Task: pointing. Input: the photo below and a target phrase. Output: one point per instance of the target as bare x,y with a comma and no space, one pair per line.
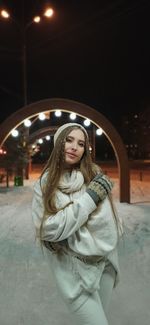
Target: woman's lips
72,155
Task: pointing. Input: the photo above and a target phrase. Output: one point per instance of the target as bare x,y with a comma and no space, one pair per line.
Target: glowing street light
23,28
47,137
42,117
27,123
87,122
58,113
5,14
15,133
3,152
99,131
40,141
49,12
37,19
73,116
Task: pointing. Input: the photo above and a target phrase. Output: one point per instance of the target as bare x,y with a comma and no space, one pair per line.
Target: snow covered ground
27,292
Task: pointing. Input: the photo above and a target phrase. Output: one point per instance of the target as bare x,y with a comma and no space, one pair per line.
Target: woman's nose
74,146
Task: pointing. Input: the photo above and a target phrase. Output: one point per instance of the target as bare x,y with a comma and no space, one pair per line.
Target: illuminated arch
83,110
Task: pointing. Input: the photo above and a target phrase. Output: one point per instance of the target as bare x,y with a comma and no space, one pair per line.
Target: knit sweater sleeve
65,222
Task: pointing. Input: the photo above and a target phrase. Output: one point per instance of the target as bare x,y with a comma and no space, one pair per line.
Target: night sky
95,52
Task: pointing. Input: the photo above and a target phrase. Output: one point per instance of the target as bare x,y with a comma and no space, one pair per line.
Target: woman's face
74,147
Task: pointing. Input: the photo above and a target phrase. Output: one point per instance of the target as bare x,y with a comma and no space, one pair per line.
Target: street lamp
48,13
37,19
5,14
23,27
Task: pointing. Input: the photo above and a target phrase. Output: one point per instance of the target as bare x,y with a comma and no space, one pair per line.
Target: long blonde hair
55,168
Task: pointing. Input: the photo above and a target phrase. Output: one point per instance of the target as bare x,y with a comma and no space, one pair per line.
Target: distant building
135,132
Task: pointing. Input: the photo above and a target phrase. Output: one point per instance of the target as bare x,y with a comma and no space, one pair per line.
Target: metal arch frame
83,110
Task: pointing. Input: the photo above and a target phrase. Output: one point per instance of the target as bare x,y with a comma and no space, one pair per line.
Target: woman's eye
68,140
81,144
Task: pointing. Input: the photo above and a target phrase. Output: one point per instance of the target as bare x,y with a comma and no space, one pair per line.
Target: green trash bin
18,181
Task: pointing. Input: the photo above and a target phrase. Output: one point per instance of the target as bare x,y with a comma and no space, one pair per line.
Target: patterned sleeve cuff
97,192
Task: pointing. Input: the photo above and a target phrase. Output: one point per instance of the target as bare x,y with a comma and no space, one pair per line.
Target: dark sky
96,52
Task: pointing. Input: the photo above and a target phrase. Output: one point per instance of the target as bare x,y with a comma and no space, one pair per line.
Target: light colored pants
93,311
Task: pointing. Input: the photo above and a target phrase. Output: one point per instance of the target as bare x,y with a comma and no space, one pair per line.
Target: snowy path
27,293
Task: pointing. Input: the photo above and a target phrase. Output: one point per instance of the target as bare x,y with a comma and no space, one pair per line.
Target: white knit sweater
89,230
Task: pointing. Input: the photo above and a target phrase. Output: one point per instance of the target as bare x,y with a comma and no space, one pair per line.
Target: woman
75,220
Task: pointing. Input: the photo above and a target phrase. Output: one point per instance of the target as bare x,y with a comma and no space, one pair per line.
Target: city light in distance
90,149
35,148
3,152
